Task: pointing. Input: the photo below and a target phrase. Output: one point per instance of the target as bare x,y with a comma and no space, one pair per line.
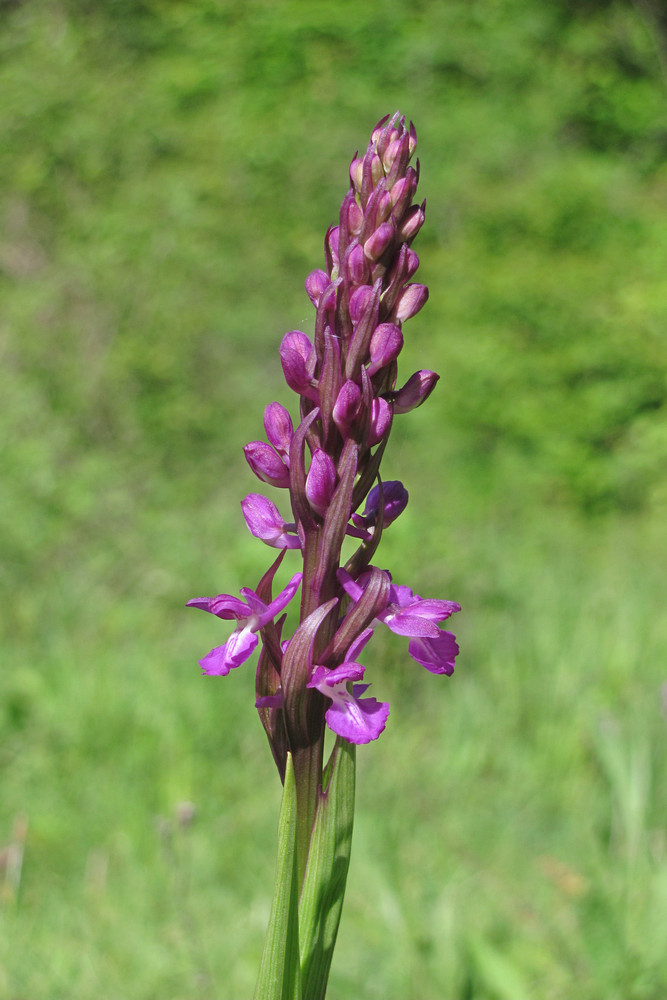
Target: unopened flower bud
377,170
357,265
359,300
265,521
377,242
385,346
391,152
321,481
383,207
410,302
357,172
346,408
394,502
402,192
413,139
412,223
278,427
331,250
381,416
267,464
317,283
297,355
355,217
415,391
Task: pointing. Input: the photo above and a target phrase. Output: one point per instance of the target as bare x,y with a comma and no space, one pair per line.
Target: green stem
308,781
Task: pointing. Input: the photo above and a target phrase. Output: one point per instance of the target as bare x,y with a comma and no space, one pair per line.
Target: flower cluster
345,378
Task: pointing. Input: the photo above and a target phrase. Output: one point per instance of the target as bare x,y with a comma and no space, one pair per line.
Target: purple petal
437,654
240,645
406,623
278,427
350,586
281,601
359,643
264,521
223,606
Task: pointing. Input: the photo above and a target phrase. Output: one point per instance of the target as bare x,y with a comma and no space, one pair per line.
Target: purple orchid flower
252,614
408,614
357,719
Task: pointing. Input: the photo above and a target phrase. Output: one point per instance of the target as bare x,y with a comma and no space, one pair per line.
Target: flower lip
358,720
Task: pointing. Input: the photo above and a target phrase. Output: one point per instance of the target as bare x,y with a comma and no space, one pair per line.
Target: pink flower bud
385,346
359,299
412,263
377,170
278,427
383,208
403,191
410,302
357,265
355,217
377,243
412,222
347,406
357,172
317,283
321,481
267,464
297,355
391,152
331,248
381,416
415,391
413,139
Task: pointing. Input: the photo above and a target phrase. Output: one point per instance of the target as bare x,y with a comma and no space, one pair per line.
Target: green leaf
326,871
280,974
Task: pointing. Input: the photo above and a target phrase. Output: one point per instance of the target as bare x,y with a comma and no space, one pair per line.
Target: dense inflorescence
345,377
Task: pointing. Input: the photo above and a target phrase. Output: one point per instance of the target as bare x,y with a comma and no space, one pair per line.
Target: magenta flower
408,614
251,615
265,522
357,719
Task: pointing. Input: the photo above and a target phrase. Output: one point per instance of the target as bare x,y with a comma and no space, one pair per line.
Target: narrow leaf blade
280,974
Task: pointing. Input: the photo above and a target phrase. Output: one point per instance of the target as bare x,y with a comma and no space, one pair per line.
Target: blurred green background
167,173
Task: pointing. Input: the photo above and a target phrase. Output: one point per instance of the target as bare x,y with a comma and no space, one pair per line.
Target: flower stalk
329,466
